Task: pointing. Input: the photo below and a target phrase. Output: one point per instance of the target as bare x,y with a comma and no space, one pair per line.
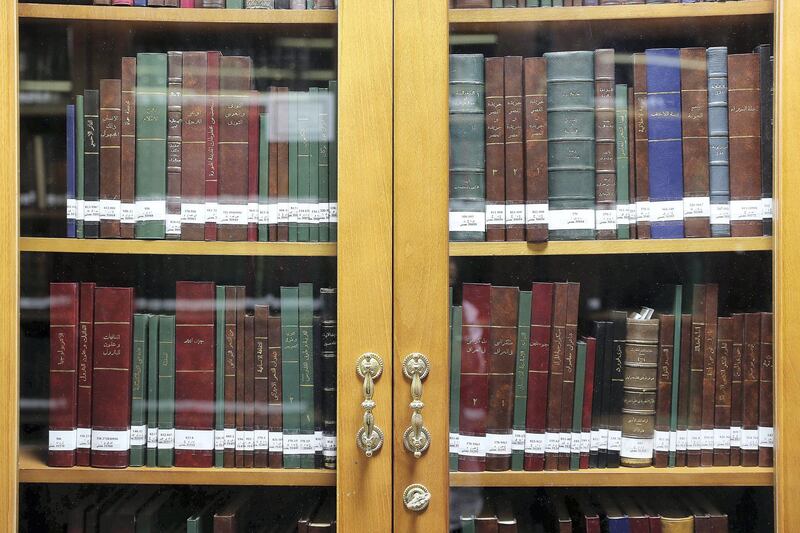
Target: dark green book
313,163
303,167
290,374
323,159
521,380
571,145
139,391
623,162
577,407
219,379
294,200
497,3
467,154
263,179
455,385
531,3
79,168
333,163
306,331
166,390
234,4
151,145
152,390
677,309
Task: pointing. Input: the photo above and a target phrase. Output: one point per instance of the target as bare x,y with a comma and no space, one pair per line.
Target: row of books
224,4
564,3
212,385
182,147
151,510
564,147
680,389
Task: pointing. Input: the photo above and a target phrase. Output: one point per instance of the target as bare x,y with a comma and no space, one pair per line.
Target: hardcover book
63,416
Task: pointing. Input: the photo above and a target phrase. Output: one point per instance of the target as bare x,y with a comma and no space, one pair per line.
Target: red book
538,369
85,343
110,150
474,377
495,151
111,379
588,391
261,387
212,146
252,167
536,188
241,378
568,378
194,373
272,110
187,3
283,163
249,390
128,148
63,374
193,145
765,392
275,393
514,153
556,377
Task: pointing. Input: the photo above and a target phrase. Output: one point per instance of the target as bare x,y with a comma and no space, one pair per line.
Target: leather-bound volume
737,368
694,123
235,84
501,359
63,424
230,377
709,376
695,416
765,61
85,356
474,377
261,387
272,193
194,373
684,373
110,205
193,145
751,374
174,132
568,379
241,378
744,123
765,394
91,163
588,398
495,150
558,347
722,395
212,145
127,180
641,366
515,156
253,125
249,390
718,145
661,440
640,136
535,107
283,163
615,358
538,371
274,363
605,144
329,341
111,379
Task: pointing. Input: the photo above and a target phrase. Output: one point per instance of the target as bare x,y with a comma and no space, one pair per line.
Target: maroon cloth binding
737,360
536,187
249,387
85,343
229,396
515,150
261,382
495,149
556,378
212,144
193,144
568,383
538,368
63,374
252,166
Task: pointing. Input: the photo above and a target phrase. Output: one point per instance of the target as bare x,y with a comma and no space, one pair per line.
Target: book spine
521,381
79,165
455,382
153,366
694,124
241,378
304,213
737,361
273,114
767,98
599,429
253,139
632,163
664,380
695,416
264,168
194,110
555,389
514,150
234,4
166,390
722,395
324,164
230,378
127,186
306,369
174,133
677,307
63,416
605,145
249,391
467,157
624,219
259,4
290,362
328,326
588,400
577,406
640,385
85,353
313,164
111,382
495,150
275,362
212,146
261,387
110,111
333,169
294,204
536,192
640,136
751,374
282,150
91,164
70,157
682,439
719,184
765,394
318,394
709,375
569,383
538,375
616,348
219,377
139,391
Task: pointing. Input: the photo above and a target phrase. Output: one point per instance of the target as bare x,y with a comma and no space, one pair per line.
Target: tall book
153,366
91,164
333,169
709,375
264,177
640,141
63,416
139,360
249,391
324,133
682,440
193,145
695,385
253,141
751,374
514,149
521,380
569,383
80,172
282,198
290,363
467,159
765,61
571,145
536,191
72,206
292,135
212,145
111,382
616,354
85,357
737,361
495,150
766,432
598,444
677,339
577,406
722,393
329,337
694,124
306,369
664,381
455,382
605,145
588,398
623,160
273,114
241,378
166,390
718,153
229,385
639,407
261,387
275,362
127,187
558,350
219,376
110,149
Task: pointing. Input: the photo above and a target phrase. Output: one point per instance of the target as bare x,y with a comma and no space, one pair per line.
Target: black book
318,393
91,164
328,357
765,62
617,383
599,329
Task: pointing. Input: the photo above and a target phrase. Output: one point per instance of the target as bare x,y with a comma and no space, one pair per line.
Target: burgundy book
737,360
751,374
684,381
193,146
212,145
174,133
495,150
536,188
538,371
275,393
252,167
249,389
194,373
501,361
111,379
283,163
261,387
722,395
588,390
474,392
694,126
640,141
558,350
110,106
666,343
272,110
709,376
127,180
64,309
695,417
765,394
241,377
515,150
230,377
85,344
605,144
568,383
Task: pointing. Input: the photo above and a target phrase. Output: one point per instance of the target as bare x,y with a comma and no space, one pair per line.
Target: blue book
718,141
665,148
72,206
140,3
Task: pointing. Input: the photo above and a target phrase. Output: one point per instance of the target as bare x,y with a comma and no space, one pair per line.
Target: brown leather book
536,188
476,298
702,519
235,84
275,393
709,375
261,387
632,161
722,399
640,384
684,388
765,394
605,145
495,150
694,442
556,379
111,379
249,389
694,124
666,345
568,383
212,145
283,163
506,518
127,180
744,127
751,374
241,376
502,359
85,353
193,146
174,133
110,130
230,377
272,111
737,361
253,134
538,374
515,150
64,318
486,520
640,140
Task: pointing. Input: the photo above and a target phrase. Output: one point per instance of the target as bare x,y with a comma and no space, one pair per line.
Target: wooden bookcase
392,253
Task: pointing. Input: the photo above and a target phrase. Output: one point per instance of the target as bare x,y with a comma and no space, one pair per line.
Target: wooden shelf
145,15
634,246
718,476
32,469
113,246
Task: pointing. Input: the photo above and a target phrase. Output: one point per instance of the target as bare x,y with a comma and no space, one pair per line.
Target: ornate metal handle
370,437
416,497
416,437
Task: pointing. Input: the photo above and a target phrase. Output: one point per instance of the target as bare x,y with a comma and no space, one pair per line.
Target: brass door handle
416,437
369,438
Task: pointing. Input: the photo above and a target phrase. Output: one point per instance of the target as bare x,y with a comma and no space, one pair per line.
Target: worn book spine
695,408
110,111
329,337
577,406
219,376
765,394
275,459
640,390
128,149
212,145
306,369
467,156
72,207
605,145
318,393
737,361
536,191
722,393
85,357
719,184
111,382
91,164
261,387
588,399
765,61
558,347
495,150
751,374
474,394
241,378
273,113
283,164
174,131
455,383
616,346
79,165
664,381
166,390
292,410
694,125
151,145
632,163
253,139
324,163
153,366
263,206
139,399
623,158
314,221
684,372
677,307
229,447
63,416
709,375
598,443
249,391
514,149
303,168
194,111
569,382
521,380
640,136
292,134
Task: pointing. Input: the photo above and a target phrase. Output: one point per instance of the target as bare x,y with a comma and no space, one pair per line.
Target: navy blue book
665,148
718,157
140,3
72,206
